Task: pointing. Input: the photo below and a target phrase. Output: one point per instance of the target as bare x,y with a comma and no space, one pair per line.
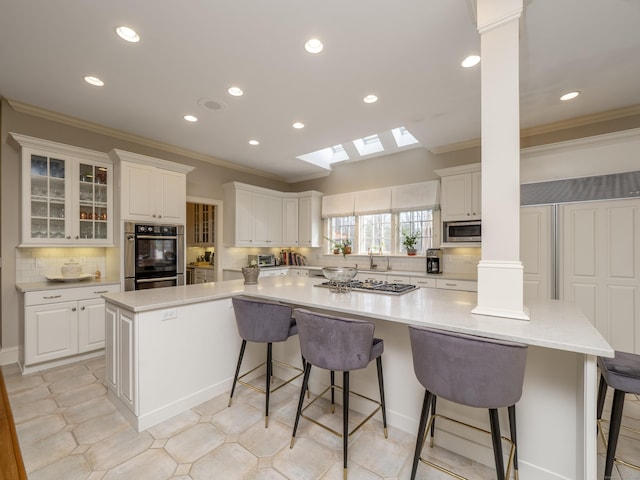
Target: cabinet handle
451,284
101,291
52,296
73,309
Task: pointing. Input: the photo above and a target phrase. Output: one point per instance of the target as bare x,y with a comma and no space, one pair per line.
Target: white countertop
53,285
554,324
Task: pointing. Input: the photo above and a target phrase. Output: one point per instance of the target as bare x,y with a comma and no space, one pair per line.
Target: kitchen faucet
372,265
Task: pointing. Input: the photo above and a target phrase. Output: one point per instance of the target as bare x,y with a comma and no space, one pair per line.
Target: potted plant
409,241
346,247
251,273
337,245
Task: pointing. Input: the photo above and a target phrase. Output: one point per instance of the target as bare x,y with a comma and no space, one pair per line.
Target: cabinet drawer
399,279
424,282
43,297
466,285
371,276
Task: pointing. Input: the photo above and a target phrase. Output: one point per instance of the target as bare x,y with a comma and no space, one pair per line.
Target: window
375,233
341,229
382,233
416,221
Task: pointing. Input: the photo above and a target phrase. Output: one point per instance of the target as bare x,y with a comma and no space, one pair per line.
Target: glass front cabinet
67,194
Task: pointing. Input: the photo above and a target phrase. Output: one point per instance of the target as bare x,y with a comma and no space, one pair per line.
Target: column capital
492,13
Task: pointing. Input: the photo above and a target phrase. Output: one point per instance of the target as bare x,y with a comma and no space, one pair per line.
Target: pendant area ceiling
406,52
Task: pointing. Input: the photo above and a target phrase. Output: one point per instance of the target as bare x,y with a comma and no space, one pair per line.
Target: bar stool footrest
274,362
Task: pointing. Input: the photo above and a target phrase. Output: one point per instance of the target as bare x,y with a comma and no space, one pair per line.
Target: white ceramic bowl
71,269
339,274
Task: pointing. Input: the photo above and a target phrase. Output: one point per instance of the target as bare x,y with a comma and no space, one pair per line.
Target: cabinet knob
68,237
159,216
82,308
77,237
73,309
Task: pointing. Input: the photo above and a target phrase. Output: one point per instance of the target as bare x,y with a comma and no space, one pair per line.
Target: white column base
500,290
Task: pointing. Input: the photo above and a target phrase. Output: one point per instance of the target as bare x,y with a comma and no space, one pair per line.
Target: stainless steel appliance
262,260
153,256
376,286
468,231
434,260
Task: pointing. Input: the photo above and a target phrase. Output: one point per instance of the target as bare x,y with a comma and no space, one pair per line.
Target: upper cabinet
152,190
309,219
200,224
67,194
460,193
259,217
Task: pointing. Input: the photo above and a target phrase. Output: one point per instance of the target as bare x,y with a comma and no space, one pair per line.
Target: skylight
369,146
403,137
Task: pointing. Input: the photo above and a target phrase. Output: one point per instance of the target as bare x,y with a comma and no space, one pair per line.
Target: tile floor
68,429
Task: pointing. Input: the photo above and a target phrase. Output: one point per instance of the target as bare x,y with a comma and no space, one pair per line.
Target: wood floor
11,465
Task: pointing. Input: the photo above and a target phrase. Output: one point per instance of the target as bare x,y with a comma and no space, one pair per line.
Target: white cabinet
298,272
290,212
67,194
120,351
203,275
309,219
259,217
267,220
62,323
460,193
152,194
464,285
272,272
423,282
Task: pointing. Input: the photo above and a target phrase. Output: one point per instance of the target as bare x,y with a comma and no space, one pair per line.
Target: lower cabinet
203,275
62,323
465,285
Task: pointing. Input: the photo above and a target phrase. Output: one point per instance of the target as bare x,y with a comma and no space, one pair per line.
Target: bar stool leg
512,429
333,400
382,402
602,394
235,378
614,431
268,383
345,419
497,444
305,382
421,429
433,422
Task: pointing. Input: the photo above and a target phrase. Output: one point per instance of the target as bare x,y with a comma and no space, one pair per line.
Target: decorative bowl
339,274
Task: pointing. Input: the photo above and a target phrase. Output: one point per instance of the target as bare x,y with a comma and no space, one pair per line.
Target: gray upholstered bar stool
473,371
263,322
622,373
343,344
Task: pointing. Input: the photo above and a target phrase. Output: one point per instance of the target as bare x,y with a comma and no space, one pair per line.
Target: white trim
9,356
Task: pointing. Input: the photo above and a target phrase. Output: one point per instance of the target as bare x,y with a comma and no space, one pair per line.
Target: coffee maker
434,260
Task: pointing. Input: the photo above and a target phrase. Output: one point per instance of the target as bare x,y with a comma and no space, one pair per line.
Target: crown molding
582,121
32,110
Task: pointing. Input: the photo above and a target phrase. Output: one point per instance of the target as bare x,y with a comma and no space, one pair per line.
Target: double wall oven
153,256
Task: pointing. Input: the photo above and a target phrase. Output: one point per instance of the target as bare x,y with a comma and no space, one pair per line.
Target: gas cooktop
376,286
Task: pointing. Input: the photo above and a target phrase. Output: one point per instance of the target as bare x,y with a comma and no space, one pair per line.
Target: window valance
413,196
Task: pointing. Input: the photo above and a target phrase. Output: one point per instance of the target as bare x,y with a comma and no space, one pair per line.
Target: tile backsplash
35,264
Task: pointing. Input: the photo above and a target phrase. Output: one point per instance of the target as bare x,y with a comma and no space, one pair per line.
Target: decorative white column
500,271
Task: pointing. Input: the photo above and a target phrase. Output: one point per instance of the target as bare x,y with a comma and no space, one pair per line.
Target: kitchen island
170,349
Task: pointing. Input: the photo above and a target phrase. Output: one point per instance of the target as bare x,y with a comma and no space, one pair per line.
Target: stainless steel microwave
458,232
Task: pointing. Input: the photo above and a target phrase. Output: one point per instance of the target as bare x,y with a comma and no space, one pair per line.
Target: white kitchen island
172,348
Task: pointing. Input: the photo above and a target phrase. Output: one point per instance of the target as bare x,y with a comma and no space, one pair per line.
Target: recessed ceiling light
371,98
235,91
470,61
254,142
313,46
569,96
190,118
128,34
95,81
298,125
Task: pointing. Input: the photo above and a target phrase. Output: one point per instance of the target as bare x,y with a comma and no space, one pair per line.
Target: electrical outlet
169,314
39,262
468,259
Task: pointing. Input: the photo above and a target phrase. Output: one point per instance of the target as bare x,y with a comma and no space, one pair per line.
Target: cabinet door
138,192
476,196
309,221
51,331
91,325
601,267
111,353
244,218
93,218
171,196
290,222
126,361
275,223
456,197
535,252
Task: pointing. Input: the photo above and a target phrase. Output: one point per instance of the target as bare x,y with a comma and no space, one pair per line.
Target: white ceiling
407,52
